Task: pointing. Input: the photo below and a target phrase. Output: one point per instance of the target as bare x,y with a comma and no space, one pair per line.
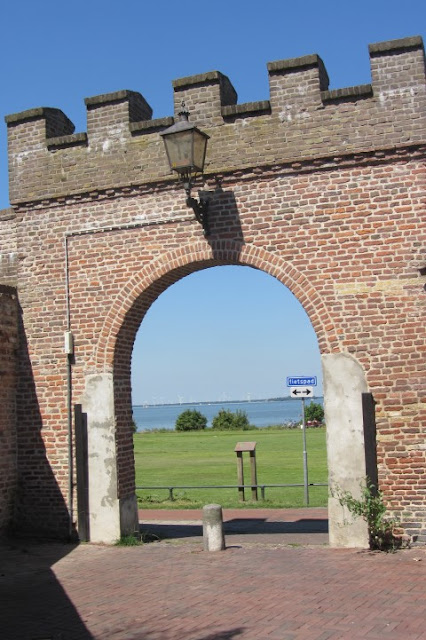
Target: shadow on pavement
34,606
224,635
257,525
244,526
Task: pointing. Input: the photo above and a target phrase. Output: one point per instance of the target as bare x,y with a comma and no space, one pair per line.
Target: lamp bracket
200,208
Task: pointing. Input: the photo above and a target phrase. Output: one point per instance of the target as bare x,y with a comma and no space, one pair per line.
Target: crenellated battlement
302,119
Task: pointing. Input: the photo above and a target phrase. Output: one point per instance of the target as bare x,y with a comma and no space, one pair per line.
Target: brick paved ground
280,526
172,590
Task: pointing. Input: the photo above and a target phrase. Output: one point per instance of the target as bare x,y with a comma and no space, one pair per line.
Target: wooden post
239,449
240,474
253,475
82,473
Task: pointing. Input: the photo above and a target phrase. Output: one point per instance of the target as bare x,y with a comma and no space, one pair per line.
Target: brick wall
325,190
8,349
8,248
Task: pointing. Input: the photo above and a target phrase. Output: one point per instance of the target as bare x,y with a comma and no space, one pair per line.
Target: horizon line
197,402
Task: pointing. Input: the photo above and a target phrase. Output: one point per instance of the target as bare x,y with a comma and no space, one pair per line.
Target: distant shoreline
220,402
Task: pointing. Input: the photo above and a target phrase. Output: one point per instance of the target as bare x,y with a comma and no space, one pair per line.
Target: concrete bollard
213,538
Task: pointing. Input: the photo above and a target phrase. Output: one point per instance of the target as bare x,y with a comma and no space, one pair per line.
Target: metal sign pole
305,456
296,382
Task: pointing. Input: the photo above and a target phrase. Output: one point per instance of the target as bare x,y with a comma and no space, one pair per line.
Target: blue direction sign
302,381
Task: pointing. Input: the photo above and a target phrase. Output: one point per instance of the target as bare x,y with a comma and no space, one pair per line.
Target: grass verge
208,458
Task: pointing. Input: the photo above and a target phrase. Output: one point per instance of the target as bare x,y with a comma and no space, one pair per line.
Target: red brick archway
126,312
322,189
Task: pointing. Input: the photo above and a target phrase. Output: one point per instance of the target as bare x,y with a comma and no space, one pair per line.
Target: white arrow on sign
301,392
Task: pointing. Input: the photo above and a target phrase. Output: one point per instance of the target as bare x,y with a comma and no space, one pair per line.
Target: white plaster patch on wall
303,115
401,92
99,397
9,257
119,133
354,288
285,115
23,155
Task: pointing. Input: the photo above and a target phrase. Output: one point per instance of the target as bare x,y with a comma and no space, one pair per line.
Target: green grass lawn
208,458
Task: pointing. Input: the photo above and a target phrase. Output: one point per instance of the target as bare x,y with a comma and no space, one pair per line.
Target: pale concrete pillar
108,518
344,384
213,537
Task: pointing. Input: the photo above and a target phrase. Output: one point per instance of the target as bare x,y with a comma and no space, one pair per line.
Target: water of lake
260,413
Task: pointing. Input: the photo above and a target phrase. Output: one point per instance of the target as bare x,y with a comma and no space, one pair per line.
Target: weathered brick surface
8,352
8,248
324,190
301,120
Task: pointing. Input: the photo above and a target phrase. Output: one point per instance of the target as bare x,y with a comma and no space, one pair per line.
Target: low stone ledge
7,214
359,91
73,140
248,108
149,126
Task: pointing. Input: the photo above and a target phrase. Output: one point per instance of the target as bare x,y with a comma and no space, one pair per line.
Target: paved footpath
173,590
279,526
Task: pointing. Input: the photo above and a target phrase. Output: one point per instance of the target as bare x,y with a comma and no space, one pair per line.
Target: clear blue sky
193,342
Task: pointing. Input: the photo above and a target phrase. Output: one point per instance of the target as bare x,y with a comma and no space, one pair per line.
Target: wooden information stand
239,449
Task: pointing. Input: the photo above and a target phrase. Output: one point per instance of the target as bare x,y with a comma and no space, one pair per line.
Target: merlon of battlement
204,95
138,108
297,64
57,123
228,95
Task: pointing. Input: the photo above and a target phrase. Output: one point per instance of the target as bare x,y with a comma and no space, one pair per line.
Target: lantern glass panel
179,149
199,150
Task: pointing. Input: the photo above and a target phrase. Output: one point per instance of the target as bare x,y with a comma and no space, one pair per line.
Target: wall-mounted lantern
186,152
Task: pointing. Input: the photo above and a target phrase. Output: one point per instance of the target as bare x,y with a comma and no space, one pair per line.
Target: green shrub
131,540
190,420
314,413
371,507
227,420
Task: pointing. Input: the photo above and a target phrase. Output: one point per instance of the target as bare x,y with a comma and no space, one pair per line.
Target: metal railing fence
171,488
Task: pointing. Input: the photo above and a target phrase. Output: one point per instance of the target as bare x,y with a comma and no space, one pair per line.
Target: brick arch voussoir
202,255
301,288
135,287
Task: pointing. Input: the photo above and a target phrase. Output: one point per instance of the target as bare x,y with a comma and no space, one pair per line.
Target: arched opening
225,339
113,388
223,333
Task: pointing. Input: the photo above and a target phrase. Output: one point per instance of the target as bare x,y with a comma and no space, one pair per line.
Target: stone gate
323,189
